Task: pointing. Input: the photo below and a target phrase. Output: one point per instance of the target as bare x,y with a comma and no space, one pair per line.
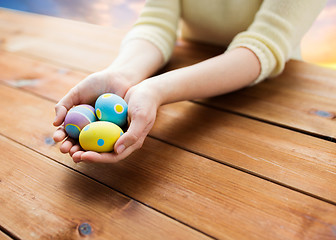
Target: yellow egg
99,136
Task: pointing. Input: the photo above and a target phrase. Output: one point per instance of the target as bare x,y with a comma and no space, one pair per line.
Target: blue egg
112,108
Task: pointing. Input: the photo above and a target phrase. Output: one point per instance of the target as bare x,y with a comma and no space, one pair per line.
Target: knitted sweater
272,29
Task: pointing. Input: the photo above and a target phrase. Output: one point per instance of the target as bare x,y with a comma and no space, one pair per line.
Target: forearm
137,60
219,75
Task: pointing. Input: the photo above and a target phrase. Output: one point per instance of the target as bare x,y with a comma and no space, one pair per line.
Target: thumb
62,107
134,136
60,112
125,141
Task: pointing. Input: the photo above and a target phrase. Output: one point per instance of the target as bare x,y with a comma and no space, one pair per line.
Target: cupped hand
86,92
143,103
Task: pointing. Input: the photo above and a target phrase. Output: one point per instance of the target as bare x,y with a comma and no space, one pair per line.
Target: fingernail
120,149
77,161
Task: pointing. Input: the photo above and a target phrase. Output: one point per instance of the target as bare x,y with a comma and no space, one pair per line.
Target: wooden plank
58,40
41,199
290,158
3,236
216,199
38,77
301,98
281,155
90,49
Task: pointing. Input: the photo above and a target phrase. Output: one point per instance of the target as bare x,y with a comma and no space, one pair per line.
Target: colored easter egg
77,118
99,136
110,107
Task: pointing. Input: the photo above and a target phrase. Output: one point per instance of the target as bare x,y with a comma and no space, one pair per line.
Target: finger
77,156
67,145
63,106
94,157
128,151
75,148
131,137
60,112
59,134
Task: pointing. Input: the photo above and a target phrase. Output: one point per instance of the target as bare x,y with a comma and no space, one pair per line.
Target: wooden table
256,164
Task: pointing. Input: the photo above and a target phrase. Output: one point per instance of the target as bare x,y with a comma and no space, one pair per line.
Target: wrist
123,73
153,89
138,60
115,81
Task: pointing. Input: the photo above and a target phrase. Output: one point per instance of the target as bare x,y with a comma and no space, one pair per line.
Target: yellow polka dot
118,108
98,112
107,95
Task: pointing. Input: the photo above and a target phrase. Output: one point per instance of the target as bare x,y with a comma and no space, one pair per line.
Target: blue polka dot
100,142
121,133
86,128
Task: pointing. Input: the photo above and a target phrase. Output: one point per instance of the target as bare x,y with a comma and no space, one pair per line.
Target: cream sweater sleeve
276,31
157,23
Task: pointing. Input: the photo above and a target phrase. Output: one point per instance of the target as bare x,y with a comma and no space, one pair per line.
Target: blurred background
318,46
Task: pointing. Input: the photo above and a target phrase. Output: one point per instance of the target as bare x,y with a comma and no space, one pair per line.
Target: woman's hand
143,103
215,76
136,61
86,92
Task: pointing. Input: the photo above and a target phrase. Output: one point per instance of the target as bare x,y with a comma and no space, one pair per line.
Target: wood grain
58,40
46,80
283,156
225,194
3,236
41,199
293,100
216,199
290,100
